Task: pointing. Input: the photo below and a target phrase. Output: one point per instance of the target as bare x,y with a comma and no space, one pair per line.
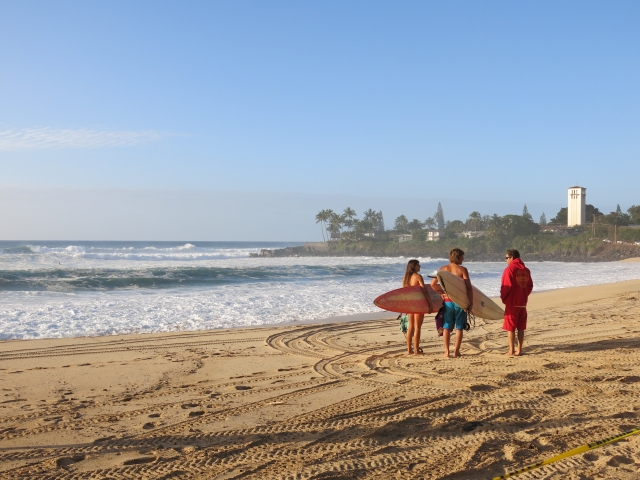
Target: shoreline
601,253
356,317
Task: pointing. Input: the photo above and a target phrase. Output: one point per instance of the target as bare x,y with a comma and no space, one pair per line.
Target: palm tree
348,214
474,222
321,218
370,215
430,223
415,225
335,223
379,222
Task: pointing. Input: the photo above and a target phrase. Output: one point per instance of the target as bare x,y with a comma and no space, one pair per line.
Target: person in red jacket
514,292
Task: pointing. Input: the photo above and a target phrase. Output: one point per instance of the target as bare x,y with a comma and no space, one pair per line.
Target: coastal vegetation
480,235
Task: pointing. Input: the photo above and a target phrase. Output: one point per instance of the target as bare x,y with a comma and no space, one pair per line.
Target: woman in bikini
411,279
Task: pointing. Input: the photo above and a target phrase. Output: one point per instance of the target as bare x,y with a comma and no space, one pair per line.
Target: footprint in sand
556,392
141,460
64,462
619,460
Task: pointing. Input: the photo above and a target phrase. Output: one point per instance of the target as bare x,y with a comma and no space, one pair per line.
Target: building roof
577,186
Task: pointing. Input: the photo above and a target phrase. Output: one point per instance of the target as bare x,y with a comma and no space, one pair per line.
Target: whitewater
70,289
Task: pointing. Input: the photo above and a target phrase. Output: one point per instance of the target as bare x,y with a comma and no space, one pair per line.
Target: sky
241,120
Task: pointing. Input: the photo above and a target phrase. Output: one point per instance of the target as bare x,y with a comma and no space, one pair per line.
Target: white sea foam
242,291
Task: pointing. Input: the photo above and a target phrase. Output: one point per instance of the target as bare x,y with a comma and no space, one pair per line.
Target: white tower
576,206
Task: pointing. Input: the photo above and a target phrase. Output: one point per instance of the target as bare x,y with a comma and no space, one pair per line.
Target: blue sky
388,105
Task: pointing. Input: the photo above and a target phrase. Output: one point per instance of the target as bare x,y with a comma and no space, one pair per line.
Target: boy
454,316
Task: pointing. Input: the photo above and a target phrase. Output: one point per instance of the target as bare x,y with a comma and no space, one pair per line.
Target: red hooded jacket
516,284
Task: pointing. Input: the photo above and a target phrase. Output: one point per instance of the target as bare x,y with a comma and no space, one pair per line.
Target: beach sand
331,400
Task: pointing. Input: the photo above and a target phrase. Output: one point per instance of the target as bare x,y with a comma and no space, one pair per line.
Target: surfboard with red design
409,300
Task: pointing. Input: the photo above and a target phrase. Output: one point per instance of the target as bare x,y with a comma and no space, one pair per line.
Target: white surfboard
483,306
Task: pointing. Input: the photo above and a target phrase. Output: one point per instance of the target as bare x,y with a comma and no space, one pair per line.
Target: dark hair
411,269
513,253
455,254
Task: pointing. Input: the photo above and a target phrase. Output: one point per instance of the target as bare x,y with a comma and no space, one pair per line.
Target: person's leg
459,333
510,324
448,323
416,336
520,342
410,330
461,319
511,336
446,336
522,325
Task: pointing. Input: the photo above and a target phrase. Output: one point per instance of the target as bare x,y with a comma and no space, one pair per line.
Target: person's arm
529,284
467,283
505,287
436,286
426,292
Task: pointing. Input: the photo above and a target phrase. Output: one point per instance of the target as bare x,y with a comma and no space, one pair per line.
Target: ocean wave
105,252
62,279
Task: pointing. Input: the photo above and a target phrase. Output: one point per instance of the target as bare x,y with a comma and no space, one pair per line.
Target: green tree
440,217
526,214
455,226
322,218
369,215
618,218
402,224
415,225
349,214
561,218
335,224
543,219
364,227
430,223
634,213
590,211
379,222
474,222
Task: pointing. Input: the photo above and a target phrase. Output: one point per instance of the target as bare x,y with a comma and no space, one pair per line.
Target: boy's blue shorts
453,316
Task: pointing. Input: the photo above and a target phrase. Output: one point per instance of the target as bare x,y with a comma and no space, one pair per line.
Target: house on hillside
433,235
405,237
471,234
560,230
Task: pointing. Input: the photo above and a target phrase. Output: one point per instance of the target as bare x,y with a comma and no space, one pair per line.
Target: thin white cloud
45,138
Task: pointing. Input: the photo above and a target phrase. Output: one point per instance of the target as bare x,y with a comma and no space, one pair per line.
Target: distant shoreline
604,253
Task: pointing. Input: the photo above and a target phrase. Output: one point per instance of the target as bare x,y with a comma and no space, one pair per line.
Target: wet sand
331,400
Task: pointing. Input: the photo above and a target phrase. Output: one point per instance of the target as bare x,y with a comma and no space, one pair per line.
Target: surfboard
408,300
483,306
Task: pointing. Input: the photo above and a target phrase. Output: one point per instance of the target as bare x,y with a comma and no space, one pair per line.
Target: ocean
70,289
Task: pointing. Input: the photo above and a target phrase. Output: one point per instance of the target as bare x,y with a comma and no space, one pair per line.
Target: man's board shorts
515,318
453,316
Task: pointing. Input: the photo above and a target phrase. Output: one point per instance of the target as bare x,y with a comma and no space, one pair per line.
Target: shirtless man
454,316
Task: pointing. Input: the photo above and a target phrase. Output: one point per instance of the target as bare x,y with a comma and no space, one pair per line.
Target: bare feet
409,352
445,354
517,353
457,355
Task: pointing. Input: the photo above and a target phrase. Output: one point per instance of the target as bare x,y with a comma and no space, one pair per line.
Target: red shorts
515,318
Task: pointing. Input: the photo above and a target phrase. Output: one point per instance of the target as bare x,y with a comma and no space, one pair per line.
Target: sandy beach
331,400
